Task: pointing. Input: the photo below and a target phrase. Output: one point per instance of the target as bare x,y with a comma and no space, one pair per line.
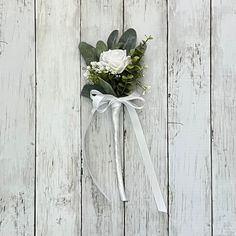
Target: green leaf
88,52
118,46
124,77
101,47
130,76
132,51
106,87
111,41
135,59
88,87
128,40
130,66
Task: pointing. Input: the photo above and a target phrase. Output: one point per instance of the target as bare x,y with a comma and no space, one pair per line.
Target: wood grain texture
17,148
186,95
223,117
141,214
58,118
100,217
189,118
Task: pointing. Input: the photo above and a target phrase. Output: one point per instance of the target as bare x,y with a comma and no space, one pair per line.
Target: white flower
115,59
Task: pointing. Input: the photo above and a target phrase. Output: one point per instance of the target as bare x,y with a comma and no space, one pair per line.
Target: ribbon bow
101,102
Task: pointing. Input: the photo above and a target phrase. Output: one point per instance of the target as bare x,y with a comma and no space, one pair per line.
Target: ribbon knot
101,102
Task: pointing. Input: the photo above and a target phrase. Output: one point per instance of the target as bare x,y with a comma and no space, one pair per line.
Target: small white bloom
93,63
115,59
147,89
86,74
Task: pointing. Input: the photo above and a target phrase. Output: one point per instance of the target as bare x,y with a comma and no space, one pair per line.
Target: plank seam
211,125
167,114
35,115
124,131
81,135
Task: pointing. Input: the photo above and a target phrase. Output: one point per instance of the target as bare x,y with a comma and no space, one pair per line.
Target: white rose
115,59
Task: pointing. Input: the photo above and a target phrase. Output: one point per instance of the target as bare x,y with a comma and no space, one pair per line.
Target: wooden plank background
17,117
189,120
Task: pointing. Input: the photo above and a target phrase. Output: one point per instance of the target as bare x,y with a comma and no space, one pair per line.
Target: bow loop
101,102
133,100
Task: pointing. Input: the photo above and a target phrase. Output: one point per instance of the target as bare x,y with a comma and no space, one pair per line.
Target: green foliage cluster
116,84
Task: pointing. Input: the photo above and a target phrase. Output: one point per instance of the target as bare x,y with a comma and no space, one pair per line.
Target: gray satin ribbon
101,102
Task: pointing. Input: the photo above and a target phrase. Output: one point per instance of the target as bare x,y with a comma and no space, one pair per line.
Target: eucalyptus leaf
88,52
128,40
88,87
106,87
118,45
101,47
111,41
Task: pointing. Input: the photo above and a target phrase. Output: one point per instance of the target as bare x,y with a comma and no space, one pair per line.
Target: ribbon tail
85,158
147,160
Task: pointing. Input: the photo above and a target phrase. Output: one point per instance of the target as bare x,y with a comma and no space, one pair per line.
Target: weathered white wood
189,118
141,214
99,217
17,136
58,200
224,117
58,118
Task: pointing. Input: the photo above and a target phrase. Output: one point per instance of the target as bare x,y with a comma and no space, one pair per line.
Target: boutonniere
114,73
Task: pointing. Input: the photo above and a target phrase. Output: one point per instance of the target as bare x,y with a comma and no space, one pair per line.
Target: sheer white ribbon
101,102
